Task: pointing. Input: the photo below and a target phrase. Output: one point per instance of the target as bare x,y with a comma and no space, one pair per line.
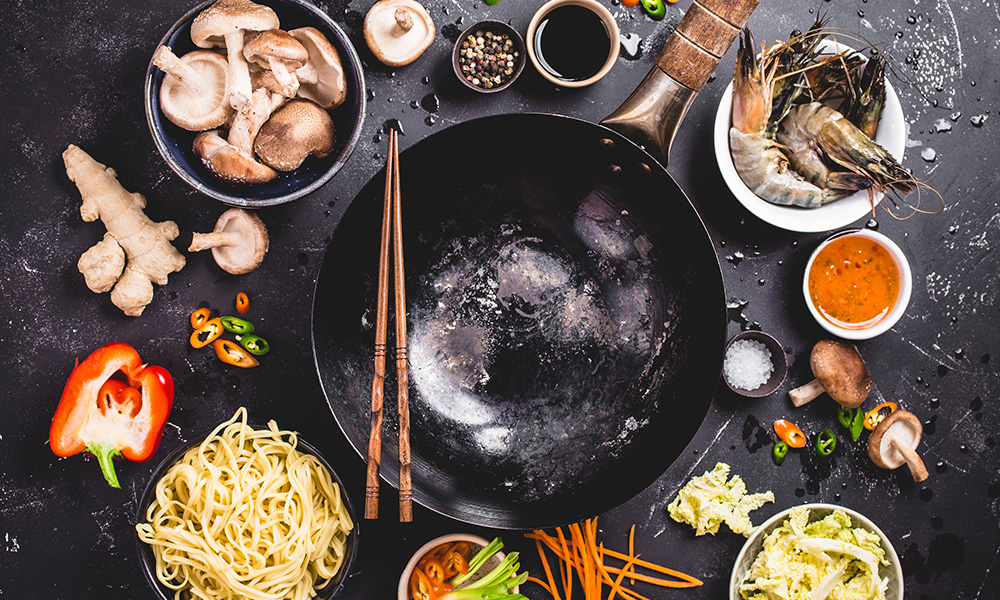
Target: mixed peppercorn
488,59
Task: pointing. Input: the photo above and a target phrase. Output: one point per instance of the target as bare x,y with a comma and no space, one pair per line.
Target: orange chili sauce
854,282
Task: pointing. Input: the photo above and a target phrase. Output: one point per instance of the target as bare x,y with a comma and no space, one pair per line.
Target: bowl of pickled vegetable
460,566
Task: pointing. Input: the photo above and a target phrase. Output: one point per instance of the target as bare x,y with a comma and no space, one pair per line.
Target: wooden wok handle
702,37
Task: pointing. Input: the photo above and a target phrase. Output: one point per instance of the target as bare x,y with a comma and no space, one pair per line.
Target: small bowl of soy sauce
573,43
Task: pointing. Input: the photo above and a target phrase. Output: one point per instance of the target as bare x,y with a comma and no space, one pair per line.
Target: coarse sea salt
747,365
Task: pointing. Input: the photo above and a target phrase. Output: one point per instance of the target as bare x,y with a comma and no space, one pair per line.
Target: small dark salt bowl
778,360
175,143
496,27
148,561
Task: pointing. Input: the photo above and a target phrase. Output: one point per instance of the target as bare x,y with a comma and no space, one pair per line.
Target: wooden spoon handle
702,37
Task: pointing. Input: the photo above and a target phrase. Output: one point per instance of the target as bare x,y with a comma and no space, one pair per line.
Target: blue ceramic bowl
175,143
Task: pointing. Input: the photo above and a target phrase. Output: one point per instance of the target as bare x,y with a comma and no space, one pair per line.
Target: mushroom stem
806,393
913,460
248,121
173,66
307,73
238,83
204,241
404,22
288,82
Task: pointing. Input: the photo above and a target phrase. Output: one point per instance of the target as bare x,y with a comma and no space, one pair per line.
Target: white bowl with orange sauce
857,284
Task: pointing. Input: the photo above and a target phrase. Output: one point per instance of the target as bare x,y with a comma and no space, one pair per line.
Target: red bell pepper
110,417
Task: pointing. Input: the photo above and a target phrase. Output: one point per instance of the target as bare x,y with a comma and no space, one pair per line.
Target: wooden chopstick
378,379
391,219
402,364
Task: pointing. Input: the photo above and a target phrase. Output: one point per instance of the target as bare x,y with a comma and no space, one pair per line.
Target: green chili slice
779,452
656,8
853,419
826,442
254,344
237,325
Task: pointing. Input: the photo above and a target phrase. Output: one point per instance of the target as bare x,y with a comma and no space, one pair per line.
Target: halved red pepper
108,417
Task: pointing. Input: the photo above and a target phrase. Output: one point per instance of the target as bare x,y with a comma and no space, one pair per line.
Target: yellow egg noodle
247,515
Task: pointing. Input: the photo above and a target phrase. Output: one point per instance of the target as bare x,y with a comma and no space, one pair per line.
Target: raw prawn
760,162
791,149
820,139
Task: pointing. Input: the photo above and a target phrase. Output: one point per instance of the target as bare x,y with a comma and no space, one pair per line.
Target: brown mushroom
238,243
398,31
233,160
298,129
895,441
193,93
280,53
322,78
223,25
839,371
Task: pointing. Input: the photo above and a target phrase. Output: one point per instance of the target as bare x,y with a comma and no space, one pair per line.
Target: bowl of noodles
246,512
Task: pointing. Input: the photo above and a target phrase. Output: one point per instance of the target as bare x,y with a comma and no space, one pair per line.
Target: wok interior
565,319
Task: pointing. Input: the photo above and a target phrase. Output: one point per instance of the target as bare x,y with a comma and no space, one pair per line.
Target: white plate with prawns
781,183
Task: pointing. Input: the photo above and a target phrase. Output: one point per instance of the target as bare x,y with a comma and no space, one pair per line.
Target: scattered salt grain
747,365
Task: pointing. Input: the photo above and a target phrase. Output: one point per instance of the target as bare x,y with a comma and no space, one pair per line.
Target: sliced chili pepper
242,303
107,417
237,325
875,416
207,333
463,548
232,354
254,344
656,8
434,571
853,419
789,433
200,317
629,3
455,563
421,587
826,442
779,452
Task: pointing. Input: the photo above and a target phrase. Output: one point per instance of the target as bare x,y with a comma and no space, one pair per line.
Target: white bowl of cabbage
814,552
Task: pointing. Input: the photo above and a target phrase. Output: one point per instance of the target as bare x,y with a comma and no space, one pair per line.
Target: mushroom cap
209,28
905,428
275,43
198,112
330,88
387,42
252,242
227,162
841,371
296,130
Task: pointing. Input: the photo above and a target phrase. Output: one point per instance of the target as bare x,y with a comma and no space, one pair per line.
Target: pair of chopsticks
391,219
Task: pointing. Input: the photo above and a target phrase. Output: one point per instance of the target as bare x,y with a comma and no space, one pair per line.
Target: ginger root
133,241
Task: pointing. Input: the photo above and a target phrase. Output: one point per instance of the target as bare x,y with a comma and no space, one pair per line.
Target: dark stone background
72,73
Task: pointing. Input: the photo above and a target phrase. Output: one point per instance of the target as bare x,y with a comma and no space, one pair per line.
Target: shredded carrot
631,550
581,554
548,571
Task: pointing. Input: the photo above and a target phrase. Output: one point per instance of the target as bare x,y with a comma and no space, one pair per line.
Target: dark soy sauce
572,43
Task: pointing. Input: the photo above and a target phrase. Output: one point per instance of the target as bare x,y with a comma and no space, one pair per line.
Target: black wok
566,319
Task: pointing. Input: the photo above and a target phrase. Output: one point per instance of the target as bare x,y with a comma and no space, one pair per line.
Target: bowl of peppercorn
488,56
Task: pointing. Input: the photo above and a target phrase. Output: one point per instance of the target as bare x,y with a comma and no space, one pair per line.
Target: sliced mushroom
895,441
193,94
279,52
239,241
223,25
398,31
322,78
233,160
298,129
839,371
